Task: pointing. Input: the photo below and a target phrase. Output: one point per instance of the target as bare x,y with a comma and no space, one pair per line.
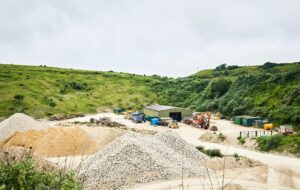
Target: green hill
270,90
43,91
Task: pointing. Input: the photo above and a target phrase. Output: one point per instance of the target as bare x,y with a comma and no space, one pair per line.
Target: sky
166,37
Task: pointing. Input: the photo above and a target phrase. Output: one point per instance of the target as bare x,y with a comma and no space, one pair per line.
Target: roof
159,107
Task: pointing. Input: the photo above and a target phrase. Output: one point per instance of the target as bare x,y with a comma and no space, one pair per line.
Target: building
162,111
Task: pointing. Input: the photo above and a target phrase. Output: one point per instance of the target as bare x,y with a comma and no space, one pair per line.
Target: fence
256,133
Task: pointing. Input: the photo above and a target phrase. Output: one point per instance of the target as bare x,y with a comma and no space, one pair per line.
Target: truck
137,117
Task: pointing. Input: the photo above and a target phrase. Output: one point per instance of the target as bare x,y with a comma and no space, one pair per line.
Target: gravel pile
137,158
17,123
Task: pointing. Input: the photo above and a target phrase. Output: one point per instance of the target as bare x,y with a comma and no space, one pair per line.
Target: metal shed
162,111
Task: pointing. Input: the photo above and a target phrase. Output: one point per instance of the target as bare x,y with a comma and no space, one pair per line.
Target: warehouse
163,111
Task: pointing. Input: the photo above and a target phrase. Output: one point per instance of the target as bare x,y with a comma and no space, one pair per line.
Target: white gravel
17,123
136,158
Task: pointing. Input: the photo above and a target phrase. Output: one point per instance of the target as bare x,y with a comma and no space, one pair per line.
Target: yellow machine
127,115
173,125
268,126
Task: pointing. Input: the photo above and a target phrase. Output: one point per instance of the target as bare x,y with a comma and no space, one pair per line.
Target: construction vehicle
165,121
127,115
202,120
173,125
137,117
268,126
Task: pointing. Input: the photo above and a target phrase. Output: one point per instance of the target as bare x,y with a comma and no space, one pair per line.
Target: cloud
149,37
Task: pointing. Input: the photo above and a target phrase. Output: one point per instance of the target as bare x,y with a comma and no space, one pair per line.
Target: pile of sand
17,123
63,141
231,162
212,137
56,141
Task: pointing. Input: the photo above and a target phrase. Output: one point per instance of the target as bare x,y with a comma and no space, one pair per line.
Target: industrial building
162,111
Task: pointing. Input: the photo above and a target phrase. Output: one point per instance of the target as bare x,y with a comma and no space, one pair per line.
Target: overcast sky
165,37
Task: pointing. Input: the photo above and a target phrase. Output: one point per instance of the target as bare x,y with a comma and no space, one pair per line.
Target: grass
210,152
44,91
280,143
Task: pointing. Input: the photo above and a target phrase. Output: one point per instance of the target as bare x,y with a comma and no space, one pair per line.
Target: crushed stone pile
54,141
137,158
17,123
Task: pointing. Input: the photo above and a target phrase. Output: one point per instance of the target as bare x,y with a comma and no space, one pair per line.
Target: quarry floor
282,172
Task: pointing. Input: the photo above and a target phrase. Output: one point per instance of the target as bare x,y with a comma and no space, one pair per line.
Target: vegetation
222,137
210,152
271,91
45,91
242,140
23,174
280,143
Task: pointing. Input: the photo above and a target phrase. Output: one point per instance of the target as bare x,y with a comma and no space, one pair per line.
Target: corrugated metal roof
159,107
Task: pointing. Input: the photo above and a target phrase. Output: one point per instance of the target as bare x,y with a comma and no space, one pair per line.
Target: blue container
154,121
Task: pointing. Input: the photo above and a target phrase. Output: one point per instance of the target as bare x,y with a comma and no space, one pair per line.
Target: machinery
268,126
173,125
127,115
137,117
202,120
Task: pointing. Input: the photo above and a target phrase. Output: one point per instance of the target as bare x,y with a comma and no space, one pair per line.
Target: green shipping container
248,122
238,120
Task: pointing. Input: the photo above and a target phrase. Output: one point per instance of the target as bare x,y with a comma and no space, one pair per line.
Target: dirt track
282,172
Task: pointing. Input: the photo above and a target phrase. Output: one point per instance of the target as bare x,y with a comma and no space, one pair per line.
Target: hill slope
271,90
43,91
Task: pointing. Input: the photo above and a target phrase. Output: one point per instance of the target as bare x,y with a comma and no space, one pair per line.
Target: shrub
241,140
214,153
19,97
210,152
221,137
24,174
269,143
237,157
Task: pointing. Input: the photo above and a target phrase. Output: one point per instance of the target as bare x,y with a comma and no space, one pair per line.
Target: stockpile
17,123
55,141
137,158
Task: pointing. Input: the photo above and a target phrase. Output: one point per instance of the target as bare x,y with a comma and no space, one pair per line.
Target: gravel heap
17,123
137,158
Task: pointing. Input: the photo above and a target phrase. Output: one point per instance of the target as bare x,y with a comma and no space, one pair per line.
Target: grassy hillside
270,90
44,91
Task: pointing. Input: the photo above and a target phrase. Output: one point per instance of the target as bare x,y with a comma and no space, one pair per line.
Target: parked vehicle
137,117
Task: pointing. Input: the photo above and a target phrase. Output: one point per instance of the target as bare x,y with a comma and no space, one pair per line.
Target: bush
19,97
214,153
241,140
24,175
210,152
269,143
221,137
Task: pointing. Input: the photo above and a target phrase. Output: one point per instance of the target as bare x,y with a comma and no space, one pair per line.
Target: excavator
202,120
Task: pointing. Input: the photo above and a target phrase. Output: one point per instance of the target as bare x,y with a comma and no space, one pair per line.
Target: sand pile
137,158
231,162
56,141
17,123
212,137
